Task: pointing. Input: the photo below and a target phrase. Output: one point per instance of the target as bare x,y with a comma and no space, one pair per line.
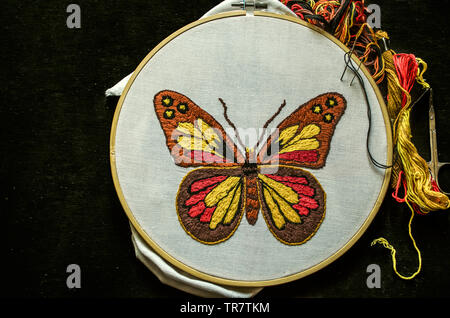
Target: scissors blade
433,164
432,115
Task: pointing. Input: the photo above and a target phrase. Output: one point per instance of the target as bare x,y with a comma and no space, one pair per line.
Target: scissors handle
436,174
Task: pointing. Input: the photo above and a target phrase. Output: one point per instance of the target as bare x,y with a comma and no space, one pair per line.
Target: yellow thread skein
417,174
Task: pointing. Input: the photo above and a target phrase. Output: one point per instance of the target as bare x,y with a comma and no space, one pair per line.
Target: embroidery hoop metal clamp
250,6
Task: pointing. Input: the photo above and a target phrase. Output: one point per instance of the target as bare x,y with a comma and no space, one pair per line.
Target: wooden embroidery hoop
220,280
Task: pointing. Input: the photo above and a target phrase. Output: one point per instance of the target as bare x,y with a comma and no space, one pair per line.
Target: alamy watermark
73,21
374,279
374,18
193,143
74,278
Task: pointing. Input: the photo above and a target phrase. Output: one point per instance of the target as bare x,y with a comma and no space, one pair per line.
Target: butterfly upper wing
303,138
193,136
210,203
292,203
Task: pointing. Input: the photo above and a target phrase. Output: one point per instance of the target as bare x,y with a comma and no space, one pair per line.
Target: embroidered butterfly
228,183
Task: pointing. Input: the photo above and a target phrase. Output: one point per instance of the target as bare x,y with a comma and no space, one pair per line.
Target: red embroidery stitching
309,156
202,184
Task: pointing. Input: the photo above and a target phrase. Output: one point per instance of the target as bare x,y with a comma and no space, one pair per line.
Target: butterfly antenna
225,110
271,119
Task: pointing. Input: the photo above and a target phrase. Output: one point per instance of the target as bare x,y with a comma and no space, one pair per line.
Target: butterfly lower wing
193,136
303,138
292,203
210,203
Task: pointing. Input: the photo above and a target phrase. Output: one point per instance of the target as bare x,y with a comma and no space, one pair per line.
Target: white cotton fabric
253,63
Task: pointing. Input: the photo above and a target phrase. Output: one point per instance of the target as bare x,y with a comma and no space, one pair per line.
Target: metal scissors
434,163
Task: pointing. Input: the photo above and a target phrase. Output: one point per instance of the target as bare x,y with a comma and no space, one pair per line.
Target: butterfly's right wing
303,138
210,203
292,203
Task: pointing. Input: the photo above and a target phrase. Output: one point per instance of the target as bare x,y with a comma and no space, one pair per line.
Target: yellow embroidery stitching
285,208
200,138
302,144
207,132
284,191
309,132
222,207
287,134
276,215
221,191
232,209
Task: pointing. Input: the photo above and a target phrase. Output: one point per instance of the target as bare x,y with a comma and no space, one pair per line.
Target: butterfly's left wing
211,202
303,138
292,203
193,137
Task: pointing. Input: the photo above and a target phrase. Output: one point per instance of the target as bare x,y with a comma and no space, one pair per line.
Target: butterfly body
227,184
252,198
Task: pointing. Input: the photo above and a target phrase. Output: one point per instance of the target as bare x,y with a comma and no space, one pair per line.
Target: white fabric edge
117,89
181,280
